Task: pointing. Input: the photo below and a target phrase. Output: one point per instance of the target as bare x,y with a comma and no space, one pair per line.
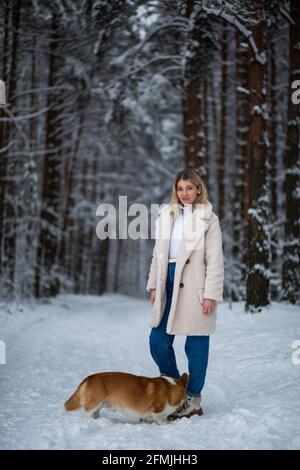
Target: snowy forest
113,97
108,99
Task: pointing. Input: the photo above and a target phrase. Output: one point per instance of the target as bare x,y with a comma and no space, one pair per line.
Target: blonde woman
186,283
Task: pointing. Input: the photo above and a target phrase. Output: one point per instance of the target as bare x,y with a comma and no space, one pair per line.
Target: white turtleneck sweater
177,231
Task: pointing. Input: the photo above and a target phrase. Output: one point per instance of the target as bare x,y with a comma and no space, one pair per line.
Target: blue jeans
196,347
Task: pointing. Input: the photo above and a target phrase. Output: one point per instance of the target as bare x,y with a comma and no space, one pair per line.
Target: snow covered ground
251,397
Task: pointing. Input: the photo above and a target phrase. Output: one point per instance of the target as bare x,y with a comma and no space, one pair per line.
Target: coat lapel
163,230
193,234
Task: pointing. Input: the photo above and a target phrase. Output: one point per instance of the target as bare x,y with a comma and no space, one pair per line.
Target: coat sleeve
214,264
151,284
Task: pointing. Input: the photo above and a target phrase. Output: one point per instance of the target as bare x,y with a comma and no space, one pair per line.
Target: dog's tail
74,401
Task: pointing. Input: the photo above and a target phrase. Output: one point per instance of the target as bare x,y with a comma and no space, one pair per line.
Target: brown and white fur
147,398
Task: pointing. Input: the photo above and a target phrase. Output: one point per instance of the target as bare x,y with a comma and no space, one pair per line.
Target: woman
186,282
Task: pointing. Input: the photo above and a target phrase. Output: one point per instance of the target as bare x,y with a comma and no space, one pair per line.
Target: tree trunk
193,112
290,268
46,280
274,187
222,157
257,286
239,209
3,131
8,191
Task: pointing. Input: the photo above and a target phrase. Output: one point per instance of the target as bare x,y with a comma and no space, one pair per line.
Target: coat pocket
201,295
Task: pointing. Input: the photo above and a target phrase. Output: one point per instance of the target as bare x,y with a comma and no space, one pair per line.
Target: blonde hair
195,178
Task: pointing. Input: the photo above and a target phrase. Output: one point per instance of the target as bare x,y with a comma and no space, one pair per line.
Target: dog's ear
184,379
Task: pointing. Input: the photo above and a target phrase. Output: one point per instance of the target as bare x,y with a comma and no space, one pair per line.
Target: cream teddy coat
199,272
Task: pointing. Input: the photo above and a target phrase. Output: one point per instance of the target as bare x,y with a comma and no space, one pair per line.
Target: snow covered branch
260,57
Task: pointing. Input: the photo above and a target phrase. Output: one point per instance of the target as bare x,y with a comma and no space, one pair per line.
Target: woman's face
186,191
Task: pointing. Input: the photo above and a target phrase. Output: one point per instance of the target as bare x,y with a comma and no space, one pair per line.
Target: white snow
251,399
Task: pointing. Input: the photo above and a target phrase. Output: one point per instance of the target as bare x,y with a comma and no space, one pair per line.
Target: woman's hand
208,306
152,296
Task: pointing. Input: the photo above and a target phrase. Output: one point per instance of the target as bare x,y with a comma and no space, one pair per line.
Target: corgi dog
147,398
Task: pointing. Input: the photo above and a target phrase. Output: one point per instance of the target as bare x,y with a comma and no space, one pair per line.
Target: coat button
181,284
187,261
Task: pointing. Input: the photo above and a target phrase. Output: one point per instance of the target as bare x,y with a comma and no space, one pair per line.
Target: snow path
251,399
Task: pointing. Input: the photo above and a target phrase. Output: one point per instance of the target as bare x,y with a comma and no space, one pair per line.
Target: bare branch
260,57
285,13
13,118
